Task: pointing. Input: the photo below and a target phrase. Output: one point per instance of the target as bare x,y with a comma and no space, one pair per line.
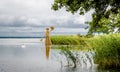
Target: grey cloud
33,16
23,22
69,23
15,22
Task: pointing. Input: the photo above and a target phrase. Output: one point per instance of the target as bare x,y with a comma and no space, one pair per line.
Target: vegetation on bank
106,47
105,19
107,50
77,40
70,39
64,40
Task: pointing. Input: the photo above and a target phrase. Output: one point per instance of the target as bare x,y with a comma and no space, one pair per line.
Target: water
30,55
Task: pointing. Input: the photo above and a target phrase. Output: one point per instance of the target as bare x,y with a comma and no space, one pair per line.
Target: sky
31,17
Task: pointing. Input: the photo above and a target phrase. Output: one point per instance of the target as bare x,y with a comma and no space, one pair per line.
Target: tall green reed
64,40
107,50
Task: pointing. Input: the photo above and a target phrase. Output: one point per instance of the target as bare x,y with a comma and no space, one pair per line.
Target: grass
106,47
107,50
69,40
64,40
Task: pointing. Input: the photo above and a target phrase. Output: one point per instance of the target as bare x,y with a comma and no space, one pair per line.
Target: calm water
29,55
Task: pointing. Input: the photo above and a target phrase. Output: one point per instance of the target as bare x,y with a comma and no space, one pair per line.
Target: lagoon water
29,55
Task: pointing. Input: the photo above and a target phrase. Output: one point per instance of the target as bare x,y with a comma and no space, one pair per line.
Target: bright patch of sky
31,17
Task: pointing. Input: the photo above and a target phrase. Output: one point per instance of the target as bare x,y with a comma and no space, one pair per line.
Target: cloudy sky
31,17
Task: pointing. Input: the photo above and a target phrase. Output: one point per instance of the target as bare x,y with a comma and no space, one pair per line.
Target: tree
109,25
103,9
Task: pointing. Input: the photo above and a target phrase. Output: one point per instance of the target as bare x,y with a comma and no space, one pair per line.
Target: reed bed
106,48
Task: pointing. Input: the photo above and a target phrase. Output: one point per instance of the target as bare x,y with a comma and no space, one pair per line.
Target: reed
64,40
107,50
69,56
68,40
79,43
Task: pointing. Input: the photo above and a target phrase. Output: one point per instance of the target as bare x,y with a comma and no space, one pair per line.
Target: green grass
106,47
69,40
64,40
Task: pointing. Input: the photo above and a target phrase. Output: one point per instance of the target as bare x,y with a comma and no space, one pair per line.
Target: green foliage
109,25
102,10
107,50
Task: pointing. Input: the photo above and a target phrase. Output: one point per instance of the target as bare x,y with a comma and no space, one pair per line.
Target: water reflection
74,58
48,47
14,58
